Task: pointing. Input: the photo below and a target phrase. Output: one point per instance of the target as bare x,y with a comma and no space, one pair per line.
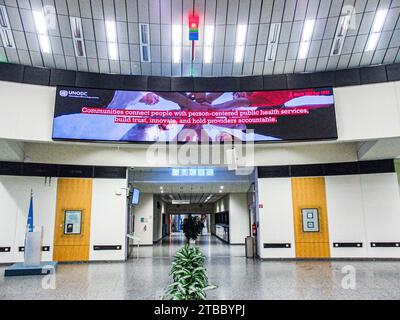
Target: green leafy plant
192,227
189,275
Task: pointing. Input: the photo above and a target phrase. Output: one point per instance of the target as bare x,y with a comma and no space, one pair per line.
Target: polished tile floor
236,277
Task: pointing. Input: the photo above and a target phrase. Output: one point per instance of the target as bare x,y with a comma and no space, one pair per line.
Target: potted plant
192,227
189,276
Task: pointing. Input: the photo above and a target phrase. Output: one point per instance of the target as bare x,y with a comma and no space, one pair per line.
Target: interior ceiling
224,15
193,197
193,188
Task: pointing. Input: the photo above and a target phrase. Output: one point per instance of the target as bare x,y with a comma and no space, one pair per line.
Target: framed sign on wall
73,222
310,219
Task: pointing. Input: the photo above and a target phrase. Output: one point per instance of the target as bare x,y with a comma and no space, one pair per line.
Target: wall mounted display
73,222
135,196
84,114
310,220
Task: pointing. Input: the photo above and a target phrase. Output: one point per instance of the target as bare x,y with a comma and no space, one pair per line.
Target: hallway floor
236,277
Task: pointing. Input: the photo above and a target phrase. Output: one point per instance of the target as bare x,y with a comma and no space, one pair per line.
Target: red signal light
193,28
193,22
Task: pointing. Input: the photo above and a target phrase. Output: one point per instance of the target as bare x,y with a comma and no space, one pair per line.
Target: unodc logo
63,93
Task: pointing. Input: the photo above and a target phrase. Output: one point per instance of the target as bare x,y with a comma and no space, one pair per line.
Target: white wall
275,217
357,115
361,208
364,208
345,215
382,212
26,111
35,104
357,119
14,205
144,230
129,155
239,227
108,218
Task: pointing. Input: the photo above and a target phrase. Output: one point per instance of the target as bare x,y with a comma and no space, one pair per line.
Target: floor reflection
236,277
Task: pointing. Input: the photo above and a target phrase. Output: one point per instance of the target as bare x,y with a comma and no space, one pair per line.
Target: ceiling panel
225,15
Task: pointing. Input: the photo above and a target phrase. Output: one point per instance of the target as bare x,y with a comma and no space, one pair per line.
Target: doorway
168,198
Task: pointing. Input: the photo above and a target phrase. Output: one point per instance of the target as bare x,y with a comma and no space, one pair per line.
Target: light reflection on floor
236,277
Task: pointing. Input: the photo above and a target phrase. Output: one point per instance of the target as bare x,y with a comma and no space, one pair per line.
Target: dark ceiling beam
339,78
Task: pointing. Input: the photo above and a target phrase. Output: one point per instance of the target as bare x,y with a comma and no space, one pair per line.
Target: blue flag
30,215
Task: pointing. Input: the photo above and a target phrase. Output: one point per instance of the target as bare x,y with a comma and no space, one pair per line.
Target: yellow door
309,193
74,201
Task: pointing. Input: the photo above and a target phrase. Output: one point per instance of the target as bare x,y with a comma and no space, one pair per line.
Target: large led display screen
142,116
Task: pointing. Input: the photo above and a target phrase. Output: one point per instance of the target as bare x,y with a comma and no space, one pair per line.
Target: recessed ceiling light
303,50
40,22
111,33
208,43
113,51
379,20
176,43
372,42
41,28
176,54
376,29
241,34
240,42
209,35
308,30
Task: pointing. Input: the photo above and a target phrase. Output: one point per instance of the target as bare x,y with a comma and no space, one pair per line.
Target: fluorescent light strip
303,50
376,29
308,30
241,34
176,43
209,35
379,20
41,28
240,42
208,43
177,35
40,22
372,42
111,33
208,54
44,43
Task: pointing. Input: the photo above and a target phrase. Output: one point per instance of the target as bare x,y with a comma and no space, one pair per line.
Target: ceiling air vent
77,36
5,29
144,42
341,31
273,40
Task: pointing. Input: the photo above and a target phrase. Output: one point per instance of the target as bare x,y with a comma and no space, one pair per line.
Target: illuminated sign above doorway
192,172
